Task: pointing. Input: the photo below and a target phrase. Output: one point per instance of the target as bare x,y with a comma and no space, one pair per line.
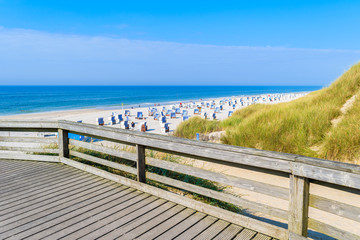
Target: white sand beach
208,107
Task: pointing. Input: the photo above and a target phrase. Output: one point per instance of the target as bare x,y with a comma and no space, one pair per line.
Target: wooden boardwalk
41,200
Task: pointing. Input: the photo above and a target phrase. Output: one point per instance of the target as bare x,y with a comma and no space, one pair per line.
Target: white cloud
34,57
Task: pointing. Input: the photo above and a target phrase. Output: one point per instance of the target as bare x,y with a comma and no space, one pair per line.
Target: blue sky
177,42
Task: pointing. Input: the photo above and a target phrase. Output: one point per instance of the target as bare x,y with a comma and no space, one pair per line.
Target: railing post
140,162
298,205
63,139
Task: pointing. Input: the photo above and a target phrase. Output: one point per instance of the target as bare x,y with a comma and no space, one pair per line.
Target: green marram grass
298,127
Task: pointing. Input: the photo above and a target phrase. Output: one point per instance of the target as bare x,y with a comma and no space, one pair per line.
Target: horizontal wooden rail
299,169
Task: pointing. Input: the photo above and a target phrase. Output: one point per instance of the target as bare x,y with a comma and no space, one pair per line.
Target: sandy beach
208,107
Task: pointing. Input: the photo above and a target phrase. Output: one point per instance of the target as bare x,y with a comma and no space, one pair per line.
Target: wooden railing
20,140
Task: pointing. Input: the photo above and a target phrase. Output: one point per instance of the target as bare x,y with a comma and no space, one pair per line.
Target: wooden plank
29,219
41,217
63,143
197,228
29,179
250,151
213,230
8,214
102,149
335,165
48,140
331,230
182,226
298,205
260,236
229,233
28,125
335,207
135,233
32,150
327,175
245,234
104,162
294,236
55,191
252,206
21,156
153,232
241,220
168,144
140,163
8,171
225,179
92,230
29,191
125,224
89,223
57,221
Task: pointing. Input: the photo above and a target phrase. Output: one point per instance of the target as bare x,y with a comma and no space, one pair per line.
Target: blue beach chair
127,112
177,111
230,113
163,119
214,116
217,109
120,118
139,115
126,124
185,118
100,121
173,115
156,116
196,111
168,113
185,112
112,120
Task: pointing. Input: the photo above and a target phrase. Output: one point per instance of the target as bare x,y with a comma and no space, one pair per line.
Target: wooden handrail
301,170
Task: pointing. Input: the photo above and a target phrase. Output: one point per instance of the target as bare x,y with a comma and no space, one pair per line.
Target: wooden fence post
63,139
298,205
140,162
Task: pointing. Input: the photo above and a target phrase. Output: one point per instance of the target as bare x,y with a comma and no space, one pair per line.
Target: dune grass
294,127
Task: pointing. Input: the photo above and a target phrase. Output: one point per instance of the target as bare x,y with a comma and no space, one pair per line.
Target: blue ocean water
30,99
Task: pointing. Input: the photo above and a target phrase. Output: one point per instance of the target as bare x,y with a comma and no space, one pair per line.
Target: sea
33,99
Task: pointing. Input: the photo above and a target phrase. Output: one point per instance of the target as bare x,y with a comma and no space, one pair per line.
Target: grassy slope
297,126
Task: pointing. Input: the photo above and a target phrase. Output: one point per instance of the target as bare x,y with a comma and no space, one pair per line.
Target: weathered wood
194,230
335,207
191,148
331,230
140,163
102,149
298,205
243,203
241,220
23,156
182,227
33,150
104,162
345,167
29,139
63,138
294,236
327,175
36,125
227,180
